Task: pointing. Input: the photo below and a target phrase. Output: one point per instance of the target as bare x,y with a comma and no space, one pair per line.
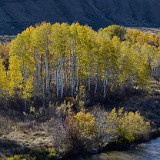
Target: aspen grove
54,61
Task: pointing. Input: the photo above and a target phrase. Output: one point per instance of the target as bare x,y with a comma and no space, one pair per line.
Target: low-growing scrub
129,125
93,131
72,132
81,130
6,125
21,157
46,154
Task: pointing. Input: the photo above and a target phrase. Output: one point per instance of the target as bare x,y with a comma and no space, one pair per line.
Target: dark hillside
16,15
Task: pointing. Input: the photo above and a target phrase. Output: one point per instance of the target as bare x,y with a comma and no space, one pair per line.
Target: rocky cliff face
16,15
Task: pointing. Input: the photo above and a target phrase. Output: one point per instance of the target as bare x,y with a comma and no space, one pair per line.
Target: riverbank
38,143
154,133
143,151
37,139
119,146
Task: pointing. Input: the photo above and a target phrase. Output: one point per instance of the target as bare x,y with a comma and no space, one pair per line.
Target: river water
144,151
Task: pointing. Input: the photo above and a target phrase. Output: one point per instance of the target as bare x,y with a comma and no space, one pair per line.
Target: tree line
54,61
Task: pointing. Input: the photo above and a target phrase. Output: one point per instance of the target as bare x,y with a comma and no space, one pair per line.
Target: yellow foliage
28,88
21,157
85,123
127,125
4,89
48,60
132,125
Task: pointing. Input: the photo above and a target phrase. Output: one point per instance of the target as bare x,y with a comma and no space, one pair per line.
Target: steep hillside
15,15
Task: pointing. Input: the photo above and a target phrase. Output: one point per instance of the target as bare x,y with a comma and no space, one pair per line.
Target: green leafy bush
21,157
46,154
129,125
132,125
52,153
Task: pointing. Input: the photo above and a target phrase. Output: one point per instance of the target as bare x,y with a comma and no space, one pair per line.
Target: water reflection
146,151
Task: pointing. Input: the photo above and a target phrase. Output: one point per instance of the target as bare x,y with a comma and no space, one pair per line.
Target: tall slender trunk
61,76
37,78
73,75
89,83
43,83
104,87
67,79
42,70
47,75
96,85
25,105
53,79
57,78
38,71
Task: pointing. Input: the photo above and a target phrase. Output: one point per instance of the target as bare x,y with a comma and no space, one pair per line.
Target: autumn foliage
93,131
50,62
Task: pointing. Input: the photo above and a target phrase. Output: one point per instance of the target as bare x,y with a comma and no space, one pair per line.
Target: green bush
48,154
132,125
51,154
21,157
129,125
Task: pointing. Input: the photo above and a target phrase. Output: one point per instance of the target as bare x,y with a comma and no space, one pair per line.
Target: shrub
105,128
131,126
128,125
52,153
85,124
21,157
6,125
80,130
88,132
62,137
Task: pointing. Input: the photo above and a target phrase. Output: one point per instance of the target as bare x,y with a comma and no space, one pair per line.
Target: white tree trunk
96,85
104,87
89,83
47,74
61,76
57,78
